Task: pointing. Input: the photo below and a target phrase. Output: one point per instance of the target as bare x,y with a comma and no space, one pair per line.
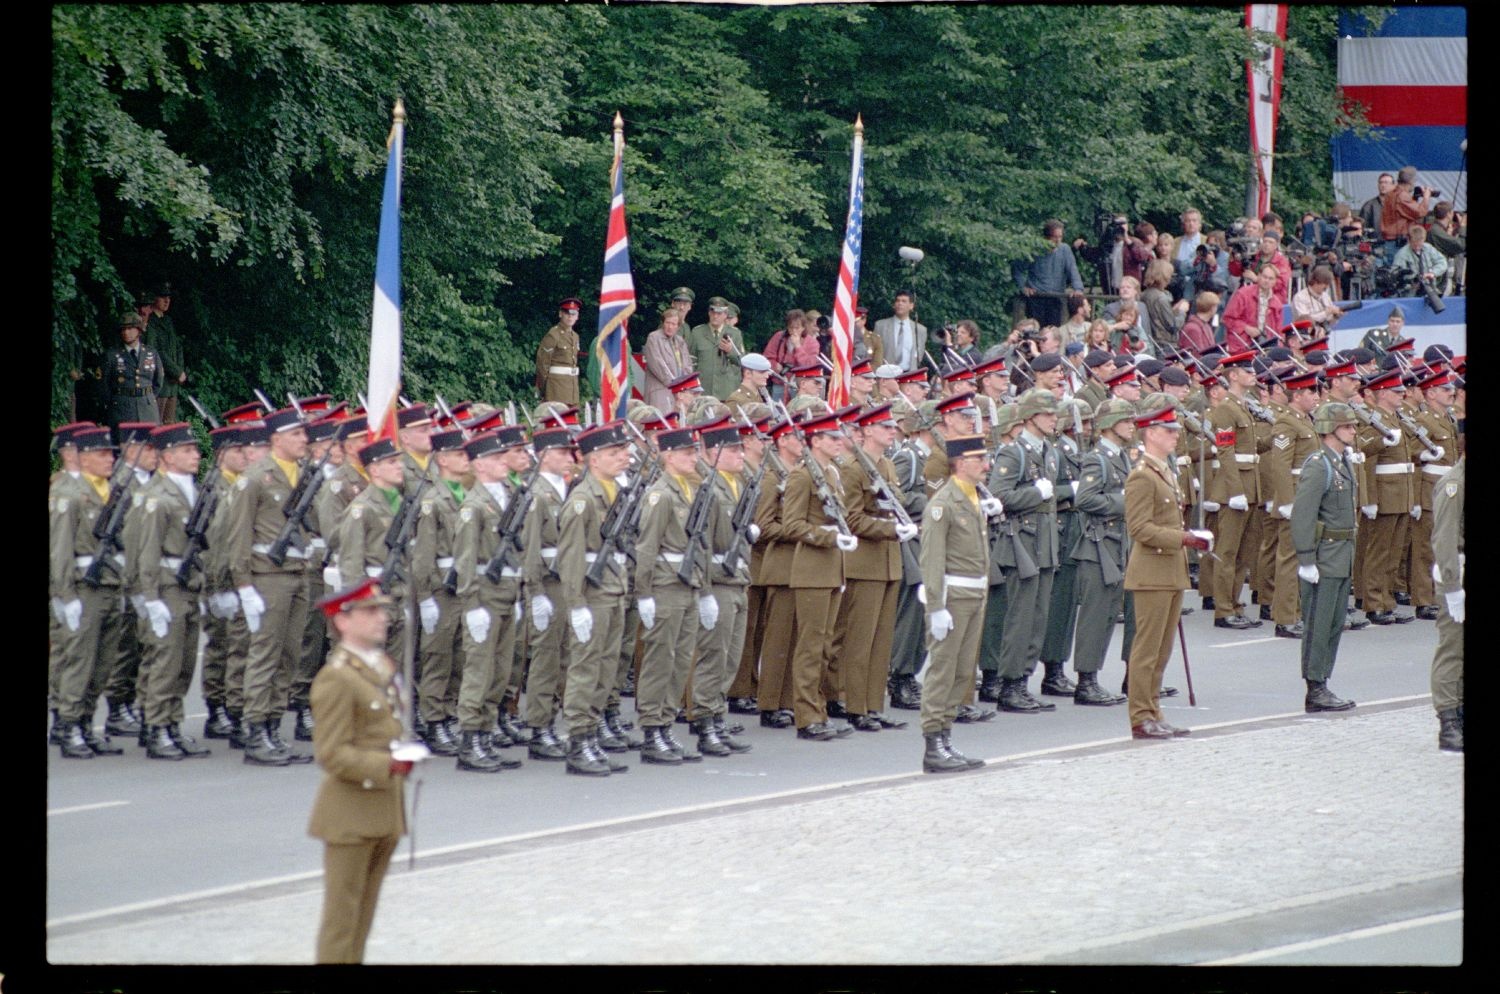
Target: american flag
846,295
616,297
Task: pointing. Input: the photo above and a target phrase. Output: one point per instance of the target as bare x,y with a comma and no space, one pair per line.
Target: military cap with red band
1439,378
820,424
1389,380
92,439
1121,377
957,374
914,376
1241,359
1165,417
862,368
483,422
1405,345
812,371
879,414
847,414
687,381
780,428
955,405
1301,381
132,432
989,367
1320,345
166,436
315,405
225,437
63,434
362,595
712,424
570,304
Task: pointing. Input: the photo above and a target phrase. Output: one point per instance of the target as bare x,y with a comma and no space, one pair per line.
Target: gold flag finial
859,124
619,123
398,113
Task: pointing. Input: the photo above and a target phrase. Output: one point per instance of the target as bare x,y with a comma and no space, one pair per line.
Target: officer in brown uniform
779,628
557,356
955,576
542,591
273,596
323,449
225,640
1391,462
432,552
1435,419
1292,441
755,372
755,441
1236,488
359,811
1156,573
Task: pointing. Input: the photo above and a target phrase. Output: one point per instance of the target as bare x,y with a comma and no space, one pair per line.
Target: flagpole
846,294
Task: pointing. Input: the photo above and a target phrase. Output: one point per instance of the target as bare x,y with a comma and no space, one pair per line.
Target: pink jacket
1239,317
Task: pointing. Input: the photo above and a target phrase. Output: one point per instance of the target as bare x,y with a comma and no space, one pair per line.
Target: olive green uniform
668,643
432,557
718,370
540,579
132,379
1392,469
1292,441
173,656
1099,552
1238,476
779,612
1323,522
1028,546
1062,607
908,635
161,335
955,575
719,647
87,650
591,668
817,580
487,661
228,642
1448,571
867,612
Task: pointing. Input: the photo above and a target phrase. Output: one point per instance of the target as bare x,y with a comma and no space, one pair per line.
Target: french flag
1411,76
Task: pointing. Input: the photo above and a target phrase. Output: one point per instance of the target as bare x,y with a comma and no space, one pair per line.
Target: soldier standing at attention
1235,488
1394,501
359,811
132,375
1322,524
1101,547
1448,573
1292,441
162,336
543,590
557,356
955,576
774,688
225,639
123,682
1156,573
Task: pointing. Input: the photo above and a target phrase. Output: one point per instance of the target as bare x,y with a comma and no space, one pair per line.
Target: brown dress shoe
1149,729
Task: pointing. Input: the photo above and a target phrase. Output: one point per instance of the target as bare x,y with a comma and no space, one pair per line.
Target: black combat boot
620,728
472,758
159,744
947,735
989,686
1450,731
607,739
186,743
273,732
1320,698
259,749
438,740
597,751
302,723
238,733
708,740
120,721
55,733
1089,692
1055,682
937,758
656,750
73,744
517,731
1014,698
544,745
727,737
487,745
219,725
678,747
581,759
101,744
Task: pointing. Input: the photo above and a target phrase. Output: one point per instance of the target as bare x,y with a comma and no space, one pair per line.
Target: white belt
444,562
667,557
510,571
618,557
1240,457
84,562
1391,469
967,582
1435,470
549,553
1184,460
316,543
1214,463
372,571
171,562
1296,470
563,370
292,551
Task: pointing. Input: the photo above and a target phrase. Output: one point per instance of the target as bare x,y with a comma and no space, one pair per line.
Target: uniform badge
426,508
336,486
1004,470
466,514
1089,478
135,500
242,483
937,512
578,507
653,498
1281,442
356,512
62,504
151,505
1451,489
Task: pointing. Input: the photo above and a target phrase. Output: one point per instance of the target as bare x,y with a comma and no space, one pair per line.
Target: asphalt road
128,838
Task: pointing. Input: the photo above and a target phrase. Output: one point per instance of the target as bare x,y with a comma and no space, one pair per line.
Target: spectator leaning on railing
1419,258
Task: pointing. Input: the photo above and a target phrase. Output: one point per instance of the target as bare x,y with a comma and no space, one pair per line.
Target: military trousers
1263,575
747,672
717,649
1157,614
1206,563
1389,535
668,655
56,638
442,660
237,649
487,663
1419,573
276,646
352,875
950,662
1025,621
630,628
592,664
548,646
215,658
994,628
1364,529
775,690
909,636
88,653
314,641
170,659
1284,606
1098,605
867,619
1062,614
123,658
817,611
1234,554
1324,605
1448,662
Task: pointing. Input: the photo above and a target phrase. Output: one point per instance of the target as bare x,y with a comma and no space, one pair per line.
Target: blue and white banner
1428,328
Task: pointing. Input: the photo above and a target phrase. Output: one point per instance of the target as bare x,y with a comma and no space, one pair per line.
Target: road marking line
85,807
1359,933
1236,645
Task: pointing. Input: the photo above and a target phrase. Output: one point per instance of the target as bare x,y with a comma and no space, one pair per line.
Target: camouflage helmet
130,319
807,402
642,413
1330,416
755,412
706,408
927,415
1007,416
543,412
1036,401
1065,410
1158,402
1112,412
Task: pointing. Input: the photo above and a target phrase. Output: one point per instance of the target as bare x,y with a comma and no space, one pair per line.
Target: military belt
1250,459
171,562
618,557
509,571
132,393
550,552
1184,460
1296,470
317,543
292,551
1432,470
967,582
1337,535
84,562
563,370
675,558
444,562
1391,469
372,571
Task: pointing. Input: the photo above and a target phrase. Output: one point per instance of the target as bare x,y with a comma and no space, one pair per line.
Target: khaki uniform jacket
433,541
1324,514
161,335
539,536
955,542
72,510
558,347
358,713
1391,469
1153,519
874,348
256,517
1101,505
774,568
663,537
163,536
1093,394
816,559
742,396
215,558
722,534
474,546
1443,432
1018,467
719,371
361,538
1292,441
908,460
878,555
415,472
130,530
935,469
579,526
334,498
1235,431
1448,530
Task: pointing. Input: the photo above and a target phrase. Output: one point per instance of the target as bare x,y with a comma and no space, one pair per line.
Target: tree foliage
237,151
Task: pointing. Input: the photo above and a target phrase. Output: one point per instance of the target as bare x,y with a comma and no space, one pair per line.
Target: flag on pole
383,386
846,293
1264,77
616,296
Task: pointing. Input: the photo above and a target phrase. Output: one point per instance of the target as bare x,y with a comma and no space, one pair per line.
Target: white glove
72,614
1285,510
752,532
940,623
1427,456
159,615
518,613
255,608
429,611
1455,605
1072,488
922,592
905,532
1239,503
541,611
1392,439
647,608
708,612
1197,485
1210,505
331,578
1370,510
1416,512
138,604
1308,573
1270,506
478,622
1044,487
991,506
229,604
582,620
57,609
1355,456
847,543
1204,534
202,607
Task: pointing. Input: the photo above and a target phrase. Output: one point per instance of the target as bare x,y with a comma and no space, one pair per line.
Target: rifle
211,421
1433,449
109,523
698,552
1024,563
399,534
297,506
832,507
620,523
197,526
512,519
885,498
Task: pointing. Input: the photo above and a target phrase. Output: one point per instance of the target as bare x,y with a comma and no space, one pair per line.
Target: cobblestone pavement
1023,861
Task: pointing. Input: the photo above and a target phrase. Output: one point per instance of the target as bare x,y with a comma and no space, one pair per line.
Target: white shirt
187,485
497,491
558,483
904,344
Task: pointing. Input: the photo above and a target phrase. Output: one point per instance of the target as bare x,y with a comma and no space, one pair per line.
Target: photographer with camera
1418,261
1315,301
1406,204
